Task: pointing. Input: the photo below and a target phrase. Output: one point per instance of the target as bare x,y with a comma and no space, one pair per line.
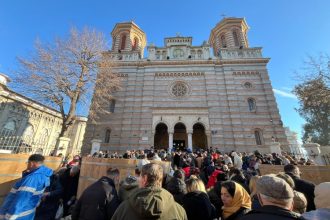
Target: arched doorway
180,138
161,137
199,138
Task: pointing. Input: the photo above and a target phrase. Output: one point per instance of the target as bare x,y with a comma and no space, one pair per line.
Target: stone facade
182,96
30,126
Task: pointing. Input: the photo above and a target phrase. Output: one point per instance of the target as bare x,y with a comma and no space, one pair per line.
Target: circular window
248,85
179,89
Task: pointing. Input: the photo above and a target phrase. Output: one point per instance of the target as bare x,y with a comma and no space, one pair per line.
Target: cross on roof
223,15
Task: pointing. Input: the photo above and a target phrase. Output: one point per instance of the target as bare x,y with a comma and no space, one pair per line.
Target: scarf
241,199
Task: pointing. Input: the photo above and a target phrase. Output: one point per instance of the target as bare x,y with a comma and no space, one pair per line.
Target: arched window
9,128
223,41
112,106
29,131
258,137
236,40
123,42
135,43
107,136
44,136
252,104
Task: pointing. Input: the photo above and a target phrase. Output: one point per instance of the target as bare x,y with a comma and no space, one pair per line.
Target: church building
186,96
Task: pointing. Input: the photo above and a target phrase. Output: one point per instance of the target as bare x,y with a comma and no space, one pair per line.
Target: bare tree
63,74
313,92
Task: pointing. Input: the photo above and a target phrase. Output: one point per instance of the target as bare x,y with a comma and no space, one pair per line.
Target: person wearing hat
276,198
25,196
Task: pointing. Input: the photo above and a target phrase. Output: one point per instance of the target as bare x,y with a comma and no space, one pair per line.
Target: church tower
229,33
128,41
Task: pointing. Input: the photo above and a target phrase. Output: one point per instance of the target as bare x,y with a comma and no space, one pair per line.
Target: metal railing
25,144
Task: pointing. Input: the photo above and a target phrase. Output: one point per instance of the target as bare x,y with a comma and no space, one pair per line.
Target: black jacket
307,188
237,215
49,204
177,188
269,212
98,202
215,197
198,206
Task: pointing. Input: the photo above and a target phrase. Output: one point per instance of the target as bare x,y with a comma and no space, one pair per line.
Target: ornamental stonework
179,89
179,74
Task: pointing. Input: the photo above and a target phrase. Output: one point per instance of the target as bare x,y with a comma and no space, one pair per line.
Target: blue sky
288,30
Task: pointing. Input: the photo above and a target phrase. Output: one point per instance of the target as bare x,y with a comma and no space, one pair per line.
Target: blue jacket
25,195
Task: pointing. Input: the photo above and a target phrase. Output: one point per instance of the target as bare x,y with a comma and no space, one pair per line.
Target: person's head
253,185
35,161
179,174
74,170
287,179
151,175
234,195
322,192
113,173
299,202
275,191
194,184
293,169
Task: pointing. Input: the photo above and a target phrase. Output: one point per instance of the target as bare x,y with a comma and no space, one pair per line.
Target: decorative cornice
179,74
143,63
243,73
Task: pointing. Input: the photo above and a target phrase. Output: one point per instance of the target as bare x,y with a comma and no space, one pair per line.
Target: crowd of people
199,185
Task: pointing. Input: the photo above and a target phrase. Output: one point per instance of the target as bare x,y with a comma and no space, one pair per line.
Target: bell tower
128,38
229,33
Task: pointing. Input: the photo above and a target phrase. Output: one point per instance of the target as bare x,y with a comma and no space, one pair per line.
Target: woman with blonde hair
253,189
236,201
196,202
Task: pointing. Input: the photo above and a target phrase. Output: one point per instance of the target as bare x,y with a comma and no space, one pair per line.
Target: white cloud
284,94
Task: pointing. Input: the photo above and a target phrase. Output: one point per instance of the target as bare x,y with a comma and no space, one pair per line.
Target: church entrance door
199,138
180,137
161,137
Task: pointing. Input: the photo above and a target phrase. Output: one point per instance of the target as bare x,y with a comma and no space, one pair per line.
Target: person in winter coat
69,180
322,204
150,201
127,186
238,162
177,186
50,200
100,200
236,201
214,194
196,202
303,186
26,193
253,189
213,177
276,199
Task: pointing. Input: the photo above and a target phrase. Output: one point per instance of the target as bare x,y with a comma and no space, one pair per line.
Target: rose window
179,89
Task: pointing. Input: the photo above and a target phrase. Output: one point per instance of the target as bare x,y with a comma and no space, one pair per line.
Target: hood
41,170
151,202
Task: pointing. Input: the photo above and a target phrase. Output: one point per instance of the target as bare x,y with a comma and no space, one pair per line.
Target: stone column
170,141
209,141
190,141
96,145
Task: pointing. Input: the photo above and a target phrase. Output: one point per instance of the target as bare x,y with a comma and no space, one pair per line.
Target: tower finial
223,16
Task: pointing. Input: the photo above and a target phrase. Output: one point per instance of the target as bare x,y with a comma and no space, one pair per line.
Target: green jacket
150,203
